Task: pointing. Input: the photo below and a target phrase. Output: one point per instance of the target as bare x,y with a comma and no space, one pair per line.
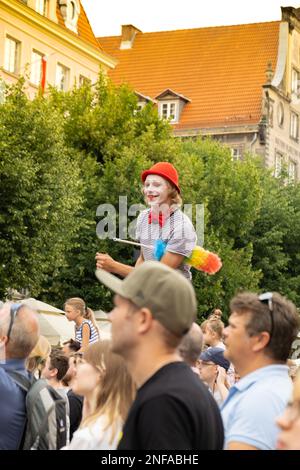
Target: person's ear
260,341
53,372
3,341
145,320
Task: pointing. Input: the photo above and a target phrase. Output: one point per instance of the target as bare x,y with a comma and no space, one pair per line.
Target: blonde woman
108,391
38,356
86,329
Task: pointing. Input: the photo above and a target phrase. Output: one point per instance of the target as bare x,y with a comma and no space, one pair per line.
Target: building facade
49,42
239,84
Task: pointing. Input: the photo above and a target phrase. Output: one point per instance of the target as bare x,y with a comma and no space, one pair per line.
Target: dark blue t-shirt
12,406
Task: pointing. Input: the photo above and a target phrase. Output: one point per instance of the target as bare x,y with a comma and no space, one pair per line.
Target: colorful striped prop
204,260
200,259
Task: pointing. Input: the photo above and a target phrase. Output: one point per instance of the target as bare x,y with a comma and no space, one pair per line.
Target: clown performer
163,220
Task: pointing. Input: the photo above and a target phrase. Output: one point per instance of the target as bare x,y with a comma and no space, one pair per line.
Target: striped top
178,233
94,335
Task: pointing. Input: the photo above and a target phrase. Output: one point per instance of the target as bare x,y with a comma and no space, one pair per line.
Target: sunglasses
14,308
267,298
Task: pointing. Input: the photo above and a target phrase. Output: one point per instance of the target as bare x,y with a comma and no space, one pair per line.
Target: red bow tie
160,218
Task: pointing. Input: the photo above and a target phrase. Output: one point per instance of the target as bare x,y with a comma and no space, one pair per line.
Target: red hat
164,169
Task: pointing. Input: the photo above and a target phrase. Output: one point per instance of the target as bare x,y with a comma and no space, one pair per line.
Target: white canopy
53,323
41,307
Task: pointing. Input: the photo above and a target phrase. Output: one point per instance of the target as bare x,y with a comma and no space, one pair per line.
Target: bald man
191,346
19,332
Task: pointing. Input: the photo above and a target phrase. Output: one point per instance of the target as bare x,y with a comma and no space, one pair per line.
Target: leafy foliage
65,155
39,192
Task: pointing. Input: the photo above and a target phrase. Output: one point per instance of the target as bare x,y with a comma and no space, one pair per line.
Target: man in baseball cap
213,367
215,355
155,307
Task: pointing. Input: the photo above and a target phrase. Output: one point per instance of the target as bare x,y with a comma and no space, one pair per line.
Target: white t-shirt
96,436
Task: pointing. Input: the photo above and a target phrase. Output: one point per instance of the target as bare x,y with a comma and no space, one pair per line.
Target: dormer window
143,101
42,7
170,105
169,110
70,11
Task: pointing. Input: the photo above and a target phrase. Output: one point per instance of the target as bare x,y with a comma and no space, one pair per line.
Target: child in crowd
70,347
213,332
86,329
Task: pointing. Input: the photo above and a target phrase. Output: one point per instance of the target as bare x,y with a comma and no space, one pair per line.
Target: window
2,91
140,105
236,153
294,126
83,80
295,82
271,115
62,77
280,114
36,67
292,171
12,55
42,7
168,110
278,164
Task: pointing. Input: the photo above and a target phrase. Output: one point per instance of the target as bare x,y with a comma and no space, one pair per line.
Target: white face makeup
156,190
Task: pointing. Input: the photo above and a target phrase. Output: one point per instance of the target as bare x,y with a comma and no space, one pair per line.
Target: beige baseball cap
165,292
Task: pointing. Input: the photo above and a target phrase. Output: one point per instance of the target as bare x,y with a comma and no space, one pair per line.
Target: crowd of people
162,382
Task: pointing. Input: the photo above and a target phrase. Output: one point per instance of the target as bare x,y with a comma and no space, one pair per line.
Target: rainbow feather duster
204,260
200,259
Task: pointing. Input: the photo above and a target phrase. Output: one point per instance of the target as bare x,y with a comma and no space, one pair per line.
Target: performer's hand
104,261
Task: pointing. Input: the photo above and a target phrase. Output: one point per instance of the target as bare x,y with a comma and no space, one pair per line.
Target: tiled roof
220,69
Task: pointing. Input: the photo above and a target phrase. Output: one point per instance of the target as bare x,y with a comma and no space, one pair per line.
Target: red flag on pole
44,72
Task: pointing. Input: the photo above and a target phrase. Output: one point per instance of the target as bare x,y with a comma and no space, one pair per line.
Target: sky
107,16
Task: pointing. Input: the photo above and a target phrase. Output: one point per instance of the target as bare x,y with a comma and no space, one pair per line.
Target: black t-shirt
173,410
75,403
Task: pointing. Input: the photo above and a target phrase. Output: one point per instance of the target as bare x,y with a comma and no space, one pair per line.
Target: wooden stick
132,243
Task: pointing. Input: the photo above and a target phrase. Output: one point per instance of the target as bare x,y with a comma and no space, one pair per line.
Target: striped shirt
178,233
94,335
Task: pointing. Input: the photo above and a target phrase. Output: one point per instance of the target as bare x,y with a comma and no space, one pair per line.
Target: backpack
47,423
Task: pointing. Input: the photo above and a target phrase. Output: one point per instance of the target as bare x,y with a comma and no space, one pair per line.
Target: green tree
40,192
104,119
276,237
